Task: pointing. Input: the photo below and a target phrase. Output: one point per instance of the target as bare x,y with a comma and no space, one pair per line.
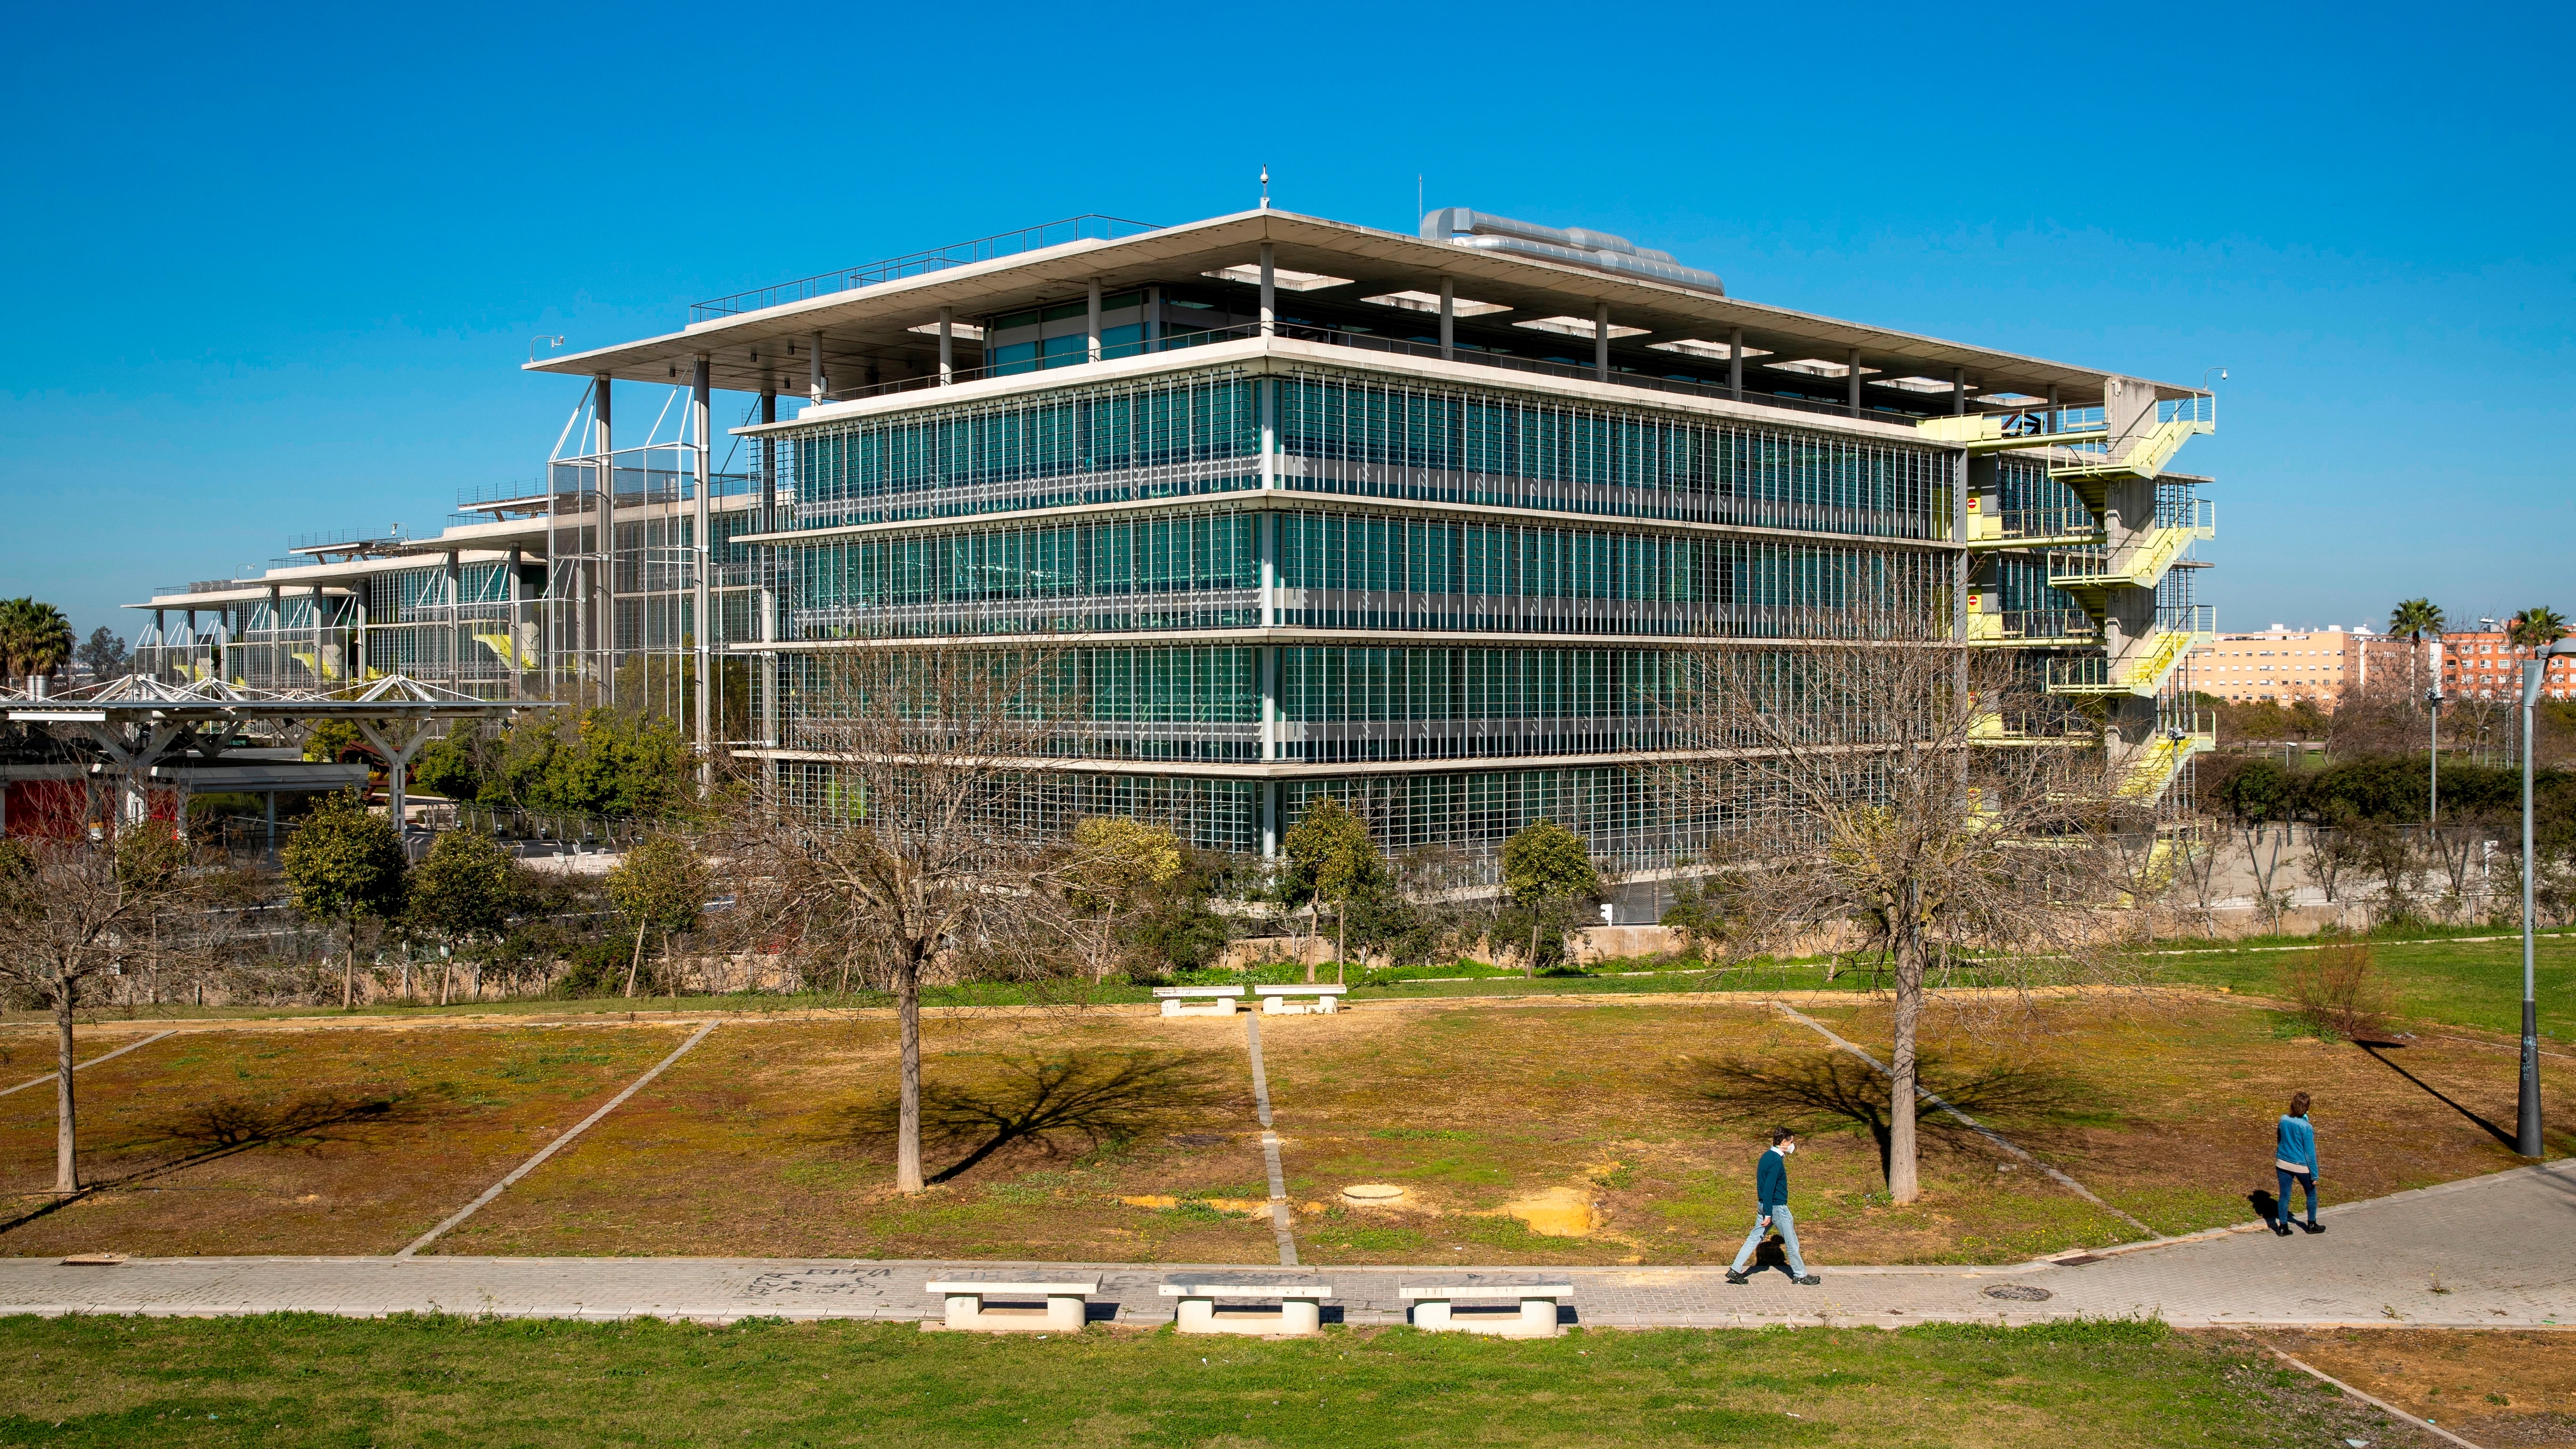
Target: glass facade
1273,527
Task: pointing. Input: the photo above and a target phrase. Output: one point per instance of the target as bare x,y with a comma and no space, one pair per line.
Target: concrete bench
1062,1313
1275,1002
1219,1000
1513,1310
1300,1307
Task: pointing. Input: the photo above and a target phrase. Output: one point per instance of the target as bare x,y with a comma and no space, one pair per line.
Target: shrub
2337,991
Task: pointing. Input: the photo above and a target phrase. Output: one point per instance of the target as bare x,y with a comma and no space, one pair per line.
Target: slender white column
947,369
604,530
1269,290
1735,364
815,382
702,623
1853,378
1601,341
1093,336
1448,318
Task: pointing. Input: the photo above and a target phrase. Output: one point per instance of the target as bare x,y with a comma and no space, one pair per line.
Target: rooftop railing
1620,376
1091,226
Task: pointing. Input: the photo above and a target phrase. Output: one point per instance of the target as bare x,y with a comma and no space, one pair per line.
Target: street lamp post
2527,1119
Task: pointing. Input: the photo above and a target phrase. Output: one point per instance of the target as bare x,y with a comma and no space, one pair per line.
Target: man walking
1771,1196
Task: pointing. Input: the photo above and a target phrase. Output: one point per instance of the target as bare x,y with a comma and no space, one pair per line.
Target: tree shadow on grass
1836,1088
1098,1097
221,1127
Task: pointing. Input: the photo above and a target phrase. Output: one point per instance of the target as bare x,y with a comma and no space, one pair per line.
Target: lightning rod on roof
1265,186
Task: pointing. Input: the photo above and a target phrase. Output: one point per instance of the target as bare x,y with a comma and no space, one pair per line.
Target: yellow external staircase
2141,671
2152,766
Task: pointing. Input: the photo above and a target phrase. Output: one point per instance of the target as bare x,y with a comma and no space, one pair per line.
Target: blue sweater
2297,1143
1771,1180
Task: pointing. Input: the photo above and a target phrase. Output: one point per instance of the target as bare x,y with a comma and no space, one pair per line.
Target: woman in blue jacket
2294,1157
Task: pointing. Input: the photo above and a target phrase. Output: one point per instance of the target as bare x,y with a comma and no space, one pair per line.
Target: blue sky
274,271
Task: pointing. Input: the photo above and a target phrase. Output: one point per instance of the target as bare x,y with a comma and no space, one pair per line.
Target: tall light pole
2527,1119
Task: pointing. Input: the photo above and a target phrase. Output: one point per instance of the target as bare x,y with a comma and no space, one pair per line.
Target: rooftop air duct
1596,249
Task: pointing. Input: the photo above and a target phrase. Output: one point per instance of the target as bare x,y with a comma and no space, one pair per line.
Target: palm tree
2416,618
34,638
2537,628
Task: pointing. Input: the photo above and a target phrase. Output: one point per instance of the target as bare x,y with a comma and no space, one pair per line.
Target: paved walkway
2492,1252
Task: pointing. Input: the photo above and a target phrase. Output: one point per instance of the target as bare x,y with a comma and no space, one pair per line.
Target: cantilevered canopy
142,699
883,324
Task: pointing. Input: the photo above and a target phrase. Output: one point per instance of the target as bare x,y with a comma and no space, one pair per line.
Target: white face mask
1788,1147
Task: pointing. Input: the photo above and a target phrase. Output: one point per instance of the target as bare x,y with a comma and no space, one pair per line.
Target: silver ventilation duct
1599,250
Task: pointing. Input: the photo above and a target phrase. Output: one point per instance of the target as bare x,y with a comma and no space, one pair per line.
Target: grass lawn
2471,983
348,1141
301,1380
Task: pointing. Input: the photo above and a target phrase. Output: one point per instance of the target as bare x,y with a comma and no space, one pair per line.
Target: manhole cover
1197,1139
2020,1293
1373,1194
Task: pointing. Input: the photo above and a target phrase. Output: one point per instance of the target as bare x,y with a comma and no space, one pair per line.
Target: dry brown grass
222,1142
2492,1387
770,1139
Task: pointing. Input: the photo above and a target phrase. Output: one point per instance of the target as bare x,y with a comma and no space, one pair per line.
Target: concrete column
357,660
319,605
1735,364
764,599
517,595
1269,290
1854,379
604,528
1448,318
1153,332
947,369
1265,542
1266,668
1092,337
1958,392
1269,408
456,638
2053,424
1601,341
702,554
815,382
160,662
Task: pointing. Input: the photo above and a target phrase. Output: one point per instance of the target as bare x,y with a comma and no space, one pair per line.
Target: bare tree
903,827
1923,805
2200,849
2331,851
77,916
2263,844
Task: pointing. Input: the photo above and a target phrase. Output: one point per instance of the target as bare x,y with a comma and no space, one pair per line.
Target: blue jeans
1788,1227
2307,1180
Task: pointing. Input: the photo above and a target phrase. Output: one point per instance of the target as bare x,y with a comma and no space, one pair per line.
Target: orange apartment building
2487,665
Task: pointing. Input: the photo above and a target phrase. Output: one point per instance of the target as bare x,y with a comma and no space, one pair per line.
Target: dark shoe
2313,1227
1810,1281
2283,1229
1736,1278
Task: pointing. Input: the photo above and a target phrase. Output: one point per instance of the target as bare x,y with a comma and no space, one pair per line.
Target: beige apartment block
2287,666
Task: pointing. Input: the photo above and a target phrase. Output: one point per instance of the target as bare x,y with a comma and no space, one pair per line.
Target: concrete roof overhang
749,352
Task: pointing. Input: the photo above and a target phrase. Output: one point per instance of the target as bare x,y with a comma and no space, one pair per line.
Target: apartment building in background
2486,664
2286,666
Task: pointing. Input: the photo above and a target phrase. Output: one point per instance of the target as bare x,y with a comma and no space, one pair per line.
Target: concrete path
2491,1252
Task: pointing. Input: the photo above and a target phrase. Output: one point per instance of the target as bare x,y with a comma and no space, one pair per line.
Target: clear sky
273,271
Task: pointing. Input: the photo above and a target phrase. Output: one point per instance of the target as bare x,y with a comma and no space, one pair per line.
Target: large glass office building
1428,522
